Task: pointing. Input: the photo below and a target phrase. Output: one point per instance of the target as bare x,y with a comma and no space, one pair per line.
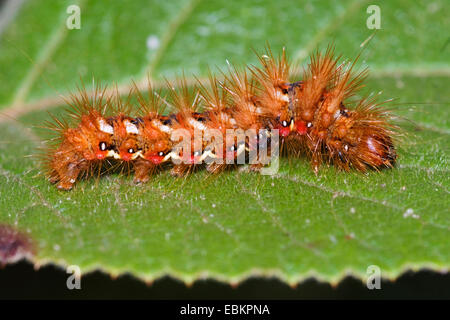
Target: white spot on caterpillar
337,114
131,128
105,127
165,129
281,96
111,154
196,124
160,126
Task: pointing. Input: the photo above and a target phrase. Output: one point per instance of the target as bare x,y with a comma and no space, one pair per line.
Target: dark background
21,281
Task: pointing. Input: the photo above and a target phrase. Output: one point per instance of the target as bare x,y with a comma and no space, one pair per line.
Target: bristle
153,104
214,97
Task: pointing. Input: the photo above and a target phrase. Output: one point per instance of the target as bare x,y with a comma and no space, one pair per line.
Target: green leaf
291,225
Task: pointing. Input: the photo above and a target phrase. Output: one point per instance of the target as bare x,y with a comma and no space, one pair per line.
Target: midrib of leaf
300,55
43,58
169,35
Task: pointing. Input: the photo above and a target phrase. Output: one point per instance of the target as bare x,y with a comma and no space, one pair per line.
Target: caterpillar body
317,116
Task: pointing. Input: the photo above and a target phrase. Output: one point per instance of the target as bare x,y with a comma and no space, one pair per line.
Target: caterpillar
236,118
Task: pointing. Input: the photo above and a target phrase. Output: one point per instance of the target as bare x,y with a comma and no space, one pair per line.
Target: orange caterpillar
313,116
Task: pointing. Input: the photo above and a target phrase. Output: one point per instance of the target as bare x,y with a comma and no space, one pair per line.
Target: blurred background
46,47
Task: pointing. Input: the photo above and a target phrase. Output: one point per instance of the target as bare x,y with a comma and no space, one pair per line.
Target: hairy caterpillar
315,116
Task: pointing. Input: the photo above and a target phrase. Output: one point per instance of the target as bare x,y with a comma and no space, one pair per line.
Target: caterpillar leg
65,174
256,167
215,168
180,170
142,169
69,177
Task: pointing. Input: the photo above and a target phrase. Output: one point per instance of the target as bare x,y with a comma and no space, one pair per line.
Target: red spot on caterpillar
155,159
125,156
300,126
101,155
284,131
14,245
